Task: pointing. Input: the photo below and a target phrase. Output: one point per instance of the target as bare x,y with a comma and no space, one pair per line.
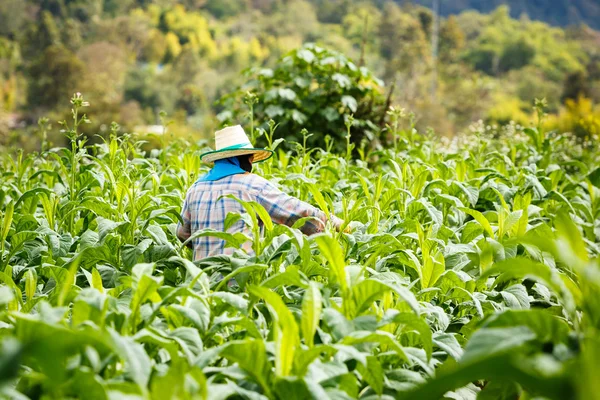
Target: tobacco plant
471,272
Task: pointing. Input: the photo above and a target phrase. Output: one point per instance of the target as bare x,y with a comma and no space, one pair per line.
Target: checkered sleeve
184,230
285,209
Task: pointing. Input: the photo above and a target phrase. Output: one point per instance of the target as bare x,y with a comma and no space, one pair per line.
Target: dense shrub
311,88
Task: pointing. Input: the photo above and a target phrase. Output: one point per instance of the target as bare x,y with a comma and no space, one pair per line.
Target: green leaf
471,192
11,352
30,284
263,215
481,219
570,245
311,312
33,193
391,280
342,80
169,385
412,322
88,385
494,354
290,277
365,293
499,390
502,367
516,297
198,315
594,177
251,356
232,239
470,231
97,281
383,338
236,301
512,220
331,250
299,117
487,342
18,240
433,267
521,267
138,364
286,332
373,374
350,102
546,326
68,281
241,270
7,218
448,343
273,111
316,192
293,389
145,289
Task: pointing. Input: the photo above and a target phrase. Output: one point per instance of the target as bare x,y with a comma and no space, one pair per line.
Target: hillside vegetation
555,12
134,59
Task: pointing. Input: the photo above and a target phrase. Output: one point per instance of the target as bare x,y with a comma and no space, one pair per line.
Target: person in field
206,206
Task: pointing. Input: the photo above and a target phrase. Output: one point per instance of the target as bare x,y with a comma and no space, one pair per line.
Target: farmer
206,206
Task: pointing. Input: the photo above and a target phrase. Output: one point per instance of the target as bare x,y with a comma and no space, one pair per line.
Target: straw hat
233,141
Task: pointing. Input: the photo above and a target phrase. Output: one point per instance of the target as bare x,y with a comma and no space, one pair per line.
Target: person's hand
352,226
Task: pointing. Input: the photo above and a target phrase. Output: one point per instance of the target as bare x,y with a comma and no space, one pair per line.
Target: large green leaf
286,332
571,247
493,354
412,322
481,219
383,338
546,326
365,293
137,363
391,281
433,267
594,177
10,358
311,312
373,374
251,356
145,289
334,255
490,341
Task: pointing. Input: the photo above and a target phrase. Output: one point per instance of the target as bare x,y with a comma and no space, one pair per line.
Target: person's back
206,207
213,197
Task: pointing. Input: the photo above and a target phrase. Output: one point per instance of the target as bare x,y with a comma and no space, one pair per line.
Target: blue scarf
223,168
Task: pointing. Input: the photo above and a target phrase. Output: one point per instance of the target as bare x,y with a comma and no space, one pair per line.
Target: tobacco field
471,272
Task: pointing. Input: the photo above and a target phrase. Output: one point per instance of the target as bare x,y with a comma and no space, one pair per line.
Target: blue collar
224,167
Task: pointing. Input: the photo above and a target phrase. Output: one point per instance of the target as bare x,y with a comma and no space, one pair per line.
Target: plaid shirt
205,207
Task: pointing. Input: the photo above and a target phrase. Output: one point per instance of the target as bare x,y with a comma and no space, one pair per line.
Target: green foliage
314,89
182,56
227,8
12,17
504,44
56,74
580,116
555,12
471,272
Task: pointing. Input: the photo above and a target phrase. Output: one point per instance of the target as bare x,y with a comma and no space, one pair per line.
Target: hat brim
260,155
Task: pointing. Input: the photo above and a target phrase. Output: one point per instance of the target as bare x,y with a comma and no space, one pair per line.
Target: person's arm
285,209
184,230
